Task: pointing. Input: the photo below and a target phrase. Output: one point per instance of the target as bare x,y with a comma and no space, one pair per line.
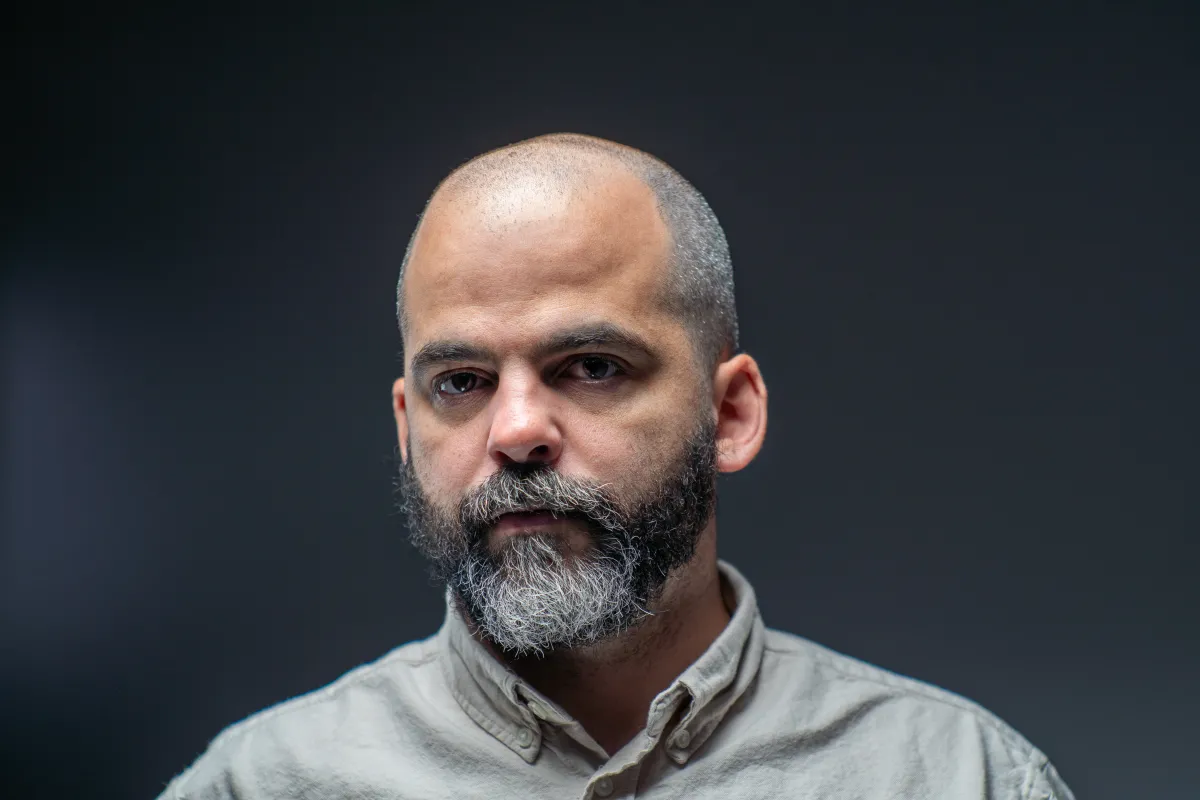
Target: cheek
445,460
633,448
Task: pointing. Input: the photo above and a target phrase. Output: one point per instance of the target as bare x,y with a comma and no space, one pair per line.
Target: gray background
966,248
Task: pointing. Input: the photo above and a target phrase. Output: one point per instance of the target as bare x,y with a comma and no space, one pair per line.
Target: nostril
533,456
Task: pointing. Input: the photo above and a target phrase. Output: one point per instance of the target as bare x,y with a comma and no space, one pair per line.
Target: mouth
525,521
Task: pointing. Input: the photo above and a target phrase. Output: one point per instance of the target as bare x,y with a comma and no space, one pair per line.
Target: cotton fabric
760,714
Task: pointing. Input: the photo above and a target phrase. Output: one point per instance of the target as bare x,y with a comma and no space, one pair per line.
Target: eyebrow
445,352
601,334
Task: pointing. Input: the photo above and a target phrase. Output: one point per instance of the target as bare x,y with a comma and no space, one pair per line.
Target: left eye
458,383
595,368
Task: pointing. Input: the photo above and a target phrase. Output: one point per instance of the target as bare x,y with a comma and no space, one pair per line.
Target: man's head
699,272
570,390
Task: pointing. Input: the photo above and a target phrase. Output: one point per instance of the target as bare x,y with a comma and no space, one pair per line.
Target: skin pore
536,332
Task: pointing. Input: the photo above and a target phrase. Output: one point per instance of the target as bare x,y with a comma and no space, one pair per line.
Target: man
572,387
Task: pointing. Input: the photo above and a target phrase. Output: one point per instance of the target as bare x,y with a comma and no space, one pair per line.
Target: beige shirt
760,714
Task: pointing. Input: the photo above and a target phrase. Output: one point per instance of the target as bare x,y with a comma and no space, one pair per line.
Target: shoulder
269,752
833,671
884,712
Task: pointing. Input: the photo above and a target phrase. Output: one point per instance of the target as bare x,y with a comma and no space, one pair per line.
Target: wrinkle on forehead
524,239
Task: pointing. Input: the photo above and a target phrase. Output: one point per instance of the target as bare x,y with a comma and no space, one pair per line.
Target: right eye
458,383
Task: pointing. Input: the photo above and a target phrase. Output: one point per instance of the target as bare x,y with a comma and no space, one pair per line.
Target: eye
594,368
457,383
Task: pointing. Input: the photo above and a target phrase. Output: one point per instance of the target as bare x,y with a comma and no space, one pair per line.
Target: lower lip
514,523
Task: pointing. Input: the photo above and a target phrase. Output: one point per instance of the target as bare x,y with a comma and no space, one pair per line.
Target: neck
609,687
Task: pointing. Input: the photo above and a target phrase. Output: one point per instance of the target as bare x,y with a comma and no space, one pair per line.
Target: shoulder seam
255,720
827,659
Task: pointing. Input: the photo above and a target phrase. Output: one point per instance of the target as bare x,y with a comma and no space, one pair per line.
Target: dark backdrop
966,251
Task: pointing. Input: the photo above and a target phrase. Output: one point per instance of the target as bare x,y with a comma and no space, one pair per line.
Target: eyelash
445,377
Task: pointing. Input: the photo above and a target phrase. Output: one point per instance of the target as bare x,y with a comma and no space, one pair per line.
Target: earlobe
399,409
740,397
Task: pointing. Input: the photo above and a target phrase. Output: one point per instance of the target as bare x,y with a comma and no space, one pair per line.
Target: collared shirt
760,714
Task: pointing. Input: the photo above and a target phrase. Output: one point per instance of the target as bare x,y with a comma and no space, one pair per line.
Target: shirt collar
512,711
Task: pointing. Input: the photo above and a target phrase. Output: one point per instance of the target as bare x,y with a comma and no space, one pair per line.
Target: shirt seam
1037,768
482,719
912,687
240,729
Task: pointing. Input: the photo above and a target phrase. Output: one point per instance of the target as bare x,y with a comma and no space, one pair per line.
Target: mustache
523,489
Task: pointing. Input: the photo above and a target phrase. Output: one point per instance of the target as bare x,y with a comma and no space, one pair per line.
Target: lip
524,521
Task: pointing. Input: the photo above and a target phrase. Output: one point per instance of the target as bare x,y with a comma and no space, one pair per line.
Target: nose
524,429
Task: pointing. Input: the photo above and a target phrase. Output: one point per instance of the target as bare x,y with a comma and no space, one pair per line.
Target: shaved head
551,173
567,305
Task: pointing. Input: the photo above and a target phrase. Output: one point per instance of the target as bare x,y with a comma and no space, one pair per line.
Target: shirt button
682,739
604,787
525,737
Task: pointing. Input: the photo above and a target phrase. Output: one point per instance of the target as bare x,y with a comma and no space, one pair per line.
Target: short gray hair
700,285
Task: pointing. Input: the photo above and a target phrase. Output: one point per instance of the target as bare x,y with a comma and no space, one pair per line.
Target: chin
570,540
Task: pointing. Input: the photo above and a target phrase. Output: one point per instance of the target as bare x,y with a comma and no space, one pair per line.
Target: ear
740,400
400,410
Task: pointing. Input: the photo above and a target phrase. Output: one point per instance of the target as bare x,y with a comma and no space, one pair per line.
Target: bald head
555,175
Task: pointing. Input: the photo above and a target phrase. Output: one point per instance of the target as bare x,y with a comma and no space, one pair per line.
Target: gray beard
532,597
535,595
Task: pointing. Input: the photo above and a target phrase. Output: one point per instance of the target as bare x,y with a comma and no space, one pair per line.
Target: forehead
508,264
